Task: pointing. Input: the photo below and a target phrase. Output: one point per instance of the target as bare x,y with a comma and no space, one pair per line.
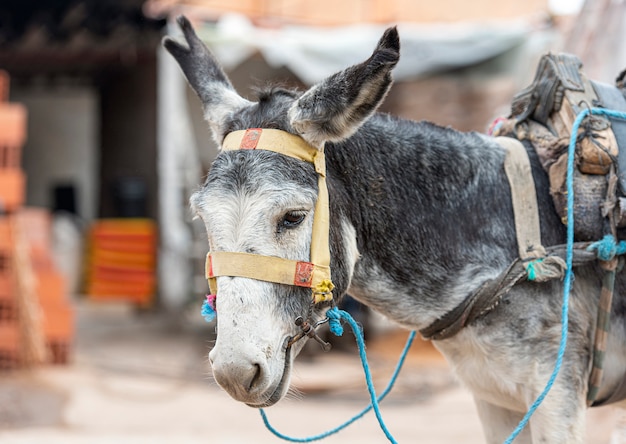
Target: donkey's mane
270,111
265,93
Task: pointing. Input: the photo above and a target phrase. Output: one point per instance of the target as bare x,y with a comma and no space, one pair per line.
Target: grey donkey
420,217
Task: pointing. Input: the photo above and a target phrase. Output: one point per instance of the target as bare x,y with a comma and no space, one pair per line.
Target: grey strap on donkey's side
539,266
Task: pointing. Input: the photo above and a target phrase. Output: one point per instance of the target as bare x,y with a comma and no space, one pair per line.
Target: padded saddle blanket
544,114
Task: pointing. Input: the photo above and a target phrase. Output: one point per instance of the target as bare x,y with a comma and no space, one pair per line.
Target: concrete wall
62,145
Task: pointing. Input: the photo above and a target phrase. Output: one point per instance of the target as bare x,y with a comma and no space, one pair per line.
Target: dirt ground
143,379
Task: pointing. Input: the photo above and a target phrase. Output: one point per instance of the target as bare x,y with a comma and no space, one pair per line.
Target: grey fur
429,210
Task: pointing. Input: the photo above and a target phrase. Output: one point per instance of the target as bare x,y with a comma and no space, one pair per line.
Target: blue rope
335,314
334,321
569,254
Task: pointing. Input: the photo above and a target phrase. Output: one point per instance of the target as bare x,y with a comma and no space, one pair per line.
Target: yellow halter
314,274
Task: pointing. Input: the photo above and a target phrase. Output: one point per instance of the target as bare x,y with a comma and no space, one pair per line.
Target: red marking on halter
210,267
251,139
304,274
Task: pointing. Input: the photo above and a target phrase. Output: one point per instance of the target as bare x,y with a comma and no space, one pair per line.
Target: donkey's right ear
336,107
205,75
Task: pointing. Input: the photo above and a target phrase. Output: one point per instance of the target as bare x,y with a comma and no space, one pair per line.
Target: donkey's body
420,217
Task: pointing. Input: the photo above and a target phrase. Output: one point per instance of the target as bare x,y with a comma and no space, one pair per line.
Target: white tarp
313,53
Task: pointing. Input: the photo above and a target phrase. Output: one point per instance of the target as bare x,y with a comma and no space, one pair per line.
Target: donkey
420,217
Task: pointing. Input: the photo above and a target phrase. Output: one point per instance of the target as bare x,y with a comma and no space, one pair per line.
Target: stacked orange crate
122,261
9,326
51,288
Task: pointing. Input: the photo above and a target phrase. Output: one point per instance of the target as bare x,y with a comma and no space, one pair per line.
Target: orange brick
7,286
9,336
12,188
12,124
51,288
58,322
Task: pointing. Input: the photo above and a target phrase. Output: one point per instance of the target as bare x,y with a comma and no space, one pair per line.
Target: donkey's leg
560,419
498,423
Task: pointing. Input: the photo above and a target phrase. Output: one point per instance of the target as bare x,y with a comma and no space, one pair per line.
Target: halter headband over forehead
314,274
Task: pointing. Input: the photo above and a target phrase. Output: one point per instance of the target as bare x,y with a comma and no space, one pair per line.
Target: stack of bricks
121,262
50,285
34,310
9,324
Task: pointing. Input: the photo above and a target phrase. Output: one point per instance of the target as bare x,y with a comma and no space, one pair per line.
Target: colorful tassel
208,308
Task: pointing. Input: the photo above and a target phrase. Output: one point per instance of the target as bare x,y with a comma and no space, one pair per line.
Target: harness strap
524,198
603,325
315,273
526,212
273,269
277,141
488,296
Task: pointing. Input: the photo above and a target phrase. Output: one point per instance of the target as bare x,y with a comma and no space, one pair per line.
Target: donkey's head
263,203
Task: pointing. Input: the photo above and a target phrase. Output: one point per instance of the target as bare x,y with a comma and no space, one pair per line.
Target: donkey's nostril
243,379
256,377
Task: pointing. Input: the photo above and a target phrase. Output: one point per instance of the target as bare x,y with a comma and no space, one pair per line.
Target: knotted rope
607,248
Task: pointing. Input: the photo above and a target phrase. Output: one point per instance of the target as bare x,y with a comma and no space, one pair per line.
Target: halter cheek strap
314,274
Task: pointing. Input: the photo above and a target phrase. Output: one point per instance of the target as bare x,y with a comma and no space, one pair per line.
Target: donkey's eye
292,219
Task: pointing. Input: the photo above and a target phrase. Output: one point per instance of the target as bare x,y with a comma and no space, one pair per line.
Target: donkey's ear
336,107
205,75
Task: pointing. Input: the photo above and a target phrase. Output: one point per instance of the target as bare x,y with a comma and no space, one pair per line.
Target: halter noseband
314,274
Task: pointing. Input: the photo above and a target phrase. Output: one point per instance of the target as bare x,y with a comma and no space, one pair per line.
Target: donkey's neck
431,213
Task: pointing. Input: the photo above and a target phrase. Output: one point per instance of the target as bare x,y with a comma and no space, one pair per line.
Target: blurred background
101,264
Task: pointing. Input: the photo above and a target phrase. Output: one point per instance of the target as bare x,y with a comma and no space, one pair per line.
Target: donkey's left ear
335,108
206,77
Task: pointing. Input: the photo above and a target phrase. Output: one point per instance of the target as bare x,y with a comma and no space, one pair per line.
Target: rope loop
607,248
334,321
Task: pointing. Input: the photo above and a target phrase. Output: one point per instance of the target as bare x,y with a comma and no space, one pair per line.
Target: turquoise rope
606,249
374,404
569,254
334,321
